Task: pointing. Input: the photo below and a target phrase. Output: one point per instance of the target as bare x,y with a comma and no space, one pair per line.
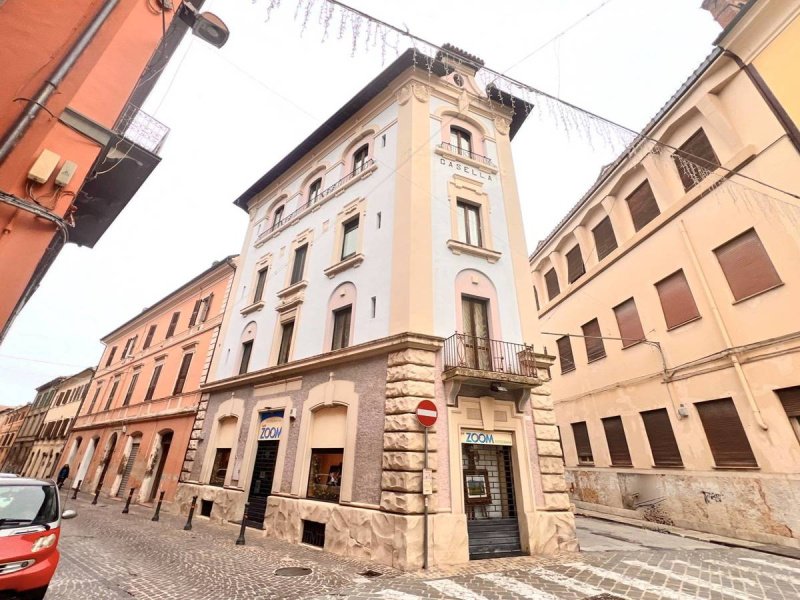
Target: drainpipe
722,329
50,85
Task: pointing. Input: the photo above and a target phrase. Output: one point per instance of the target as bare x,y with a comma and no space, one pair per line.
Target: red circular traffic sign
426,413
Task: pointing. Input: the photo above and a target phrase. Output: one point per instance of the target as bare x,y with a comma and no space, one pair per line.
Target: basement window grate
205,507
314,533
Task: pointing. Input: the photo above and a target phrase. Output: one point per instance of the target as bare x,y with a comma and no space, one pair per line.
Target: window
287,330
131,387
469,223
701,156
261,279
182,373
726,436
205,307
128,349
565,354
595,349
195,313
244,364
582,444
314,189
350,238
111,355
575,267
325,474
747,266
378,220
149,337
461,140
617,444
94,398
790,399
173,323
630,327
220,468
605,242
677,301
536,298
112,393
373,306
341,327
551,280
151,387
277,216
642,205
299,263
360,159
662,439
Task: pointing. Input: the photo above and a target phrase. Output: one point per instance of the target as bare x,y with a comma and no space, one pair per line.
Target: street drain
293,571
370,573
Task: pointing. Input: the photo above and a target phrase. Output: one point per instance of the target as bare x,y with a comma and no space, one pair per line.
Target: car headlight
44,542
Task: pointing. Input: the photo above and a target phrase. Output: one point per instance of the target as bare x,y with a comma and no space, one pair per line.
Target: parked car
30,525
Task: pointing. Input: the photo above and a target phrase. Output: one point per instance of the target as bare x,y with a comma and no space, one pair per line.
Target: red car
30,525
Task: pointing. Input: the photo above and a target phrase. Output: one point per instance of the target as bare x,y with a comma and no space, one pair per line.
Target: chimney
723,11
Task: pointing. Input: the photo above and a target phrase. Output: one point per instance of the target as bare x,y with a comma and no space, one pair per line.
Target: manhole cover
293,571
370,573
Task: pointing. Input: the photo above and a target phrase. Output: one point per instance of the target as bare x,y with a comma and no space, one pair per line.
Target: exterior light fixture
207,26
497,387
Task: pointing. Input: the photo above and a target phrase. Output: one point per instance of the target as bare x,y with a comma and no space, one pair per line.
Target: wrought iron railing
452,149
484,354
319,196
137,126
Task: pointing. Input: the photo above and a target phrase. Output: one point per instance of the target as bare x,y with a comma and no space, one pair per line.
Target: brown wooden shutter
790,398
630,327
575,267
726,436
746,265
698,151
195,310
642,205
565,354
617,444
662,439
605,242
594,343
677,301
551,279
582,443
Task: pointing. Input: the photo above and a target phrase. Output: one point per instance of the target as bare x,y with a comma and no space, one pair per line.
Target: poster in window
476,487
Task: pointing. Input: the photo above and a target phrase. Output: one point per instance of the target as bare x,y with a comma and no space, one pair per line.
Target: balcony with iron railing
465,153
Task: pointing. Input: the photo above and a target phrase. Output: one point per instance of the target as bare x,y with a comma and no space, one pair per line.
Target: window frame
277,215
627,340
551,295
350,234
215,467
183,373
151,332
314,190
703,162
593,340
731,265
327,451
604,249
641,210
131,387
244,361
583,428
460,134
566,366
615,425
341,341
717,438
664,311
151,386
649,418
286,342
261,280
297,273
173,324
576,268
360,161
465,209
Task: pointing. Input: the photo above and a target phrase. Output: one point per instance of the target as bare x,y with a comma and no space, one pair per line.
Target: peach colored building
10,422
20,452
134,425
671,292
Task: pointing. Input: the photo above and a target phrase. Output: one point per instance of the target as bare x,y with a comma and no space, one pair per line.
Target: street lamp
207,26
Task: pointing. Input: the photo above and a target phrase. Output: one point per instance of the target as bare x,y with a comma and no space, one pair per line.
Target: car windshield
27,505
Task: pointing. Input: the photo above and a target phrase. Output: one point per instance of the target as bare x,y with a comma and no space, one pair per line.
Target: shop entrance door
489,502
261,482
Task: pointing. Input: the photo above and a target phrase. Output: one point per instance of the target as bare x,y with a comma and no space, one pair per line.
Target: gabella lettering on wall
271,425
495,438
454,164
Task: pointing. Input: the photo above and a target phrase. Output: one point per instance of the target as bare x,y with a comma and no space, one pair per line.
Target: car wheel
37,594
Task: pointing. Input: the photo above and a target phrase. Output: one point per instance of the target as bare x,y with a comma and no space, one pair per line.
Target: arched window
360,159
277,216
226,436
314,190
461,140
328,432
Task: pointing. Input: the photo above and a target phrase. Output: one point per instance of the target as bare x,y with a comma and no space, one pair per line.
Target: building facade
19,456
385,264
133,428
10,422
56,425
670,291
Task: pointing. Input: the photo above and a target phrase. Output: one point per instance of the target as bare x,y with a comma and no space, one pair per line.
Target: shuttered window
617,444
630,327
790,398
551,279
605,242
173,323
747,266
575,267
565,354
582,444
594,343
725,434
699,153
677,301
642,205
149,338
195,311
183,373
662,438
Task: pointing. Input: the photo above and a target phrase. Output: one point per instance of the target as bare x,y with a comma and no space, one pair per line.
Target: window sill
293,289
668,467
633,345
353,261
735,468
252,308
594,360
585,464
764,291
568,371
457,248
491,169
697,318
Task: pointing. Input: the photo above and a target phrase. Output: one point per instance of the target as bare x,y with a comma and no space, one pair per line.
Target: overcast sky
235,112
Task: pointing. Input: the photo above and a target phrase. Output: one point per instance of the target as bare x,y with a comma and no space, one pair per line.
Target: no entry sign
427,413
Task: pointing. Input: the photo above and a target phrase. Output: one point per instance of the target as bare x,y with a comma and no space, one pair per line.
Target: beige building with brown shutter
671,291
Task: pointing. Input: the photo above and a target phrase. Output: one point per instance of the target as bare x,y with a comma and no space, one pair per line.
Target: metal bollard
240,539
127,508
158,506
97,493
76,489
188,526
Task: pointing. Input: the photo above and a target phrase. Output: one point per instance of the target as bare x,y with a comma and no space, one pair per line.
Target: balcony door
475,313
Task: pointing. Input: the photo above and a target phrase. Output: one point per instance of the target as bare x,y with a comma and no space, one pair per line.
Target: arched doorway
160,460
87,459
109,453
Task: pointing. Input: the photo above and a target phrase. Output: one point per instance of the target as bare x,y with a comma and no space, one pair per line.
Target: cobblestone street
108,555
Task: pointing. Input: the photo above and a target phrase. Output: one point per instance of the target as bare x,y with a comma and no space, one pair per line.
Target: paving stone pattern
108,555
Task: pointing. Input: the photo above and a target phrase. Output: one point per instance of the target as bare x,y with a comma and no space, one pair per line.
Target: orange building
74,144
134,426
